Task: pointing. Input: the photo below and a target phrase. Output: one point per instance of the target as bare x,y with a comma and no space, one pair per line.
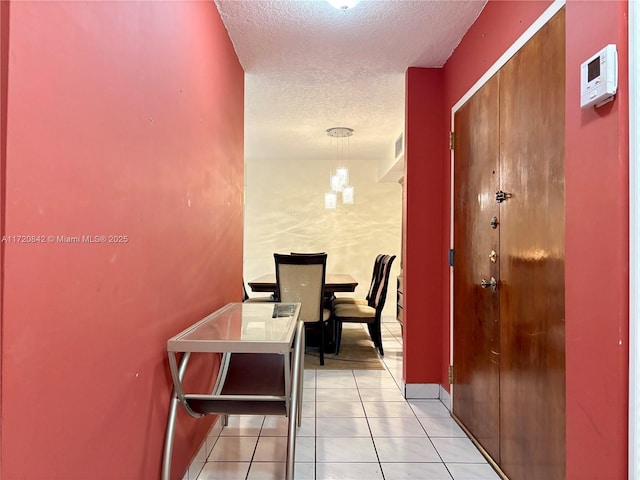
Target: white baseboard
445,398
420,390
426,390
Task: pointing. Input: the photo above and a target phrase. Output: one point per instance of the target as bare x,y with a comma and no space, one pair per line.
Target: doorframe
540,22
634,241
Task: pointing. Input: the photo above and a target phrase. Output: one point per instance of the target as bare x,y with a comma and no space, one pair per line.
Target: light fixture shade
343,4
330,201
347,195
337,183
343,173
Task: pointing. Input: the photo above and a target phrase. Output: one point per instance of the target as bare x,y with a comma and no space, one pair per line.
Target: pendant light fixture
339,179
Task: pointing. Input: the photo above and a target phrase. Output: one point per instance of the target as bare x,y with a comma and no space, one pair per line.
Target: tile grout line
375,448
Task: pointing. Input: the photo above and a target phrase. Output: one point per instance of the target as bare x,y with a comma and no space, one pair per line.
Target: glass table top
241,327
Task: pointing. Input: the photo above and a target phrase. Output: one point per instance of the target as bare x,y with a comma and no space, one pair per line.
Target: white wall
284,212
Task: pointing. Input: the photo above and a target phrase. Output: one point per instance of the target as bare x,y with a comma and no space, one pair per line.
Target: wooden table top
334,282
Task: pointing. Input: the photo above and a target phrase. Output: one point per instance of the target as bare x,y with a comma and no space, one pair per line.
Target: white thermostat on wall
599,78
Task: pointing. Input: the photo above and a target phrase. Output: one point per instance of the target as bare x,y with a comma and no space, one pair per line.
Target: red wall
597,260
596,170
423,251
126,119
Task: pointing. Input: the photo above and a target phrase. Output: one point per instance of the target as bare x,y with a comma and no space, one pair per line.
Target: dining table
334,283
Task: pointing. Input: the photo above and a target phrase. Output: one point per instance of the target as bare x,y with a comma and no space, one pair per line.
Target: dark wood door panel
532,381
476,312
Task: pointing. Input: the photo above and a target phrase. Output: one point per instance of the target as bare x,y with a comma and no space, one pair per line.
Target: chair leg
379,335
375,332
322,325
338,335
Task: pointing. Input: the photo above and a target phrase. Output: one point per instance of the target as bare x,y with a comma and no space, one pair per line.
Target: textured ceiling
310,67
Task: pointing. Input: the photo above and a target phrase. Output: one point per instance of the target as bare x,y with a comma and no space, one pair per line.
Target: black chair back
380,297
375,278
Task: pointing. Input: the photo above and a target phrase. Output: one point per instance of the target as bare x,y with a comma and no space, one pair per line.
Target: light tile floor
356,426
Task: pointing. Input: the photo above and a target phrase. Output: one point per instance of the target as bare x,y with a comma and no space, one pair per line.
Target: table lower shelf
249,374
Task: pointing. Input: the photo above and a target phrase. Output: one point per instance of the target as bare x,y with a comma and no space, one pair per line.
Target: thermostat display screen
593,69
599,77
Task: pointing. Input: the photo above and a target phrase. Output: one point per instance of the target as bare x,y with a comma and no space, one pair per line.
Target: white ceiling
309,67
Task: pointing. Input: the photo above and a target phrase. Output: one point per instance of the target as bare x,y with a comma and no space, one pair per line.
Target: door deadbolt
502,196
494,222
492,284
493,256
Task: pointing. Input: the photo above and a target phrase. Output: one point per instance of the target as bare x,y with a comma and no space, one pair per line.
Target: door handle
493,284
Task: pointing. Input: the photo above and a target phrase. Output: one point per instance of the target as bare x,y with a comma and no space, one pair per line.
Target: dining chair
301,278
375,278
329,297
371,314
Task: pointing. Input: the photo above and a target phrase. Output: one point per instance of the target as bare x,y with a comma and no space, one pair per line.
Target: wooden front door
509,343
532,367
477,305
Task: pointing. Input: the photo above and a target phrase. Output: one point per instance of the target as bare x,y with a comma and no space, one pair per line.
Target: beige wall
284,212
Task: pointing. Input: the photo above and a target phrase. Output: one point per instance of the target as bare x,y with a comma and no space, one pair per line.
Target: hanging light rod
339,132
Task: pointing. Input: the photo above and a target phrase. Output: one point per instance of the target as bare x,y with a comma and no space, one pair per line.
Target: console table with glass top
262,363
